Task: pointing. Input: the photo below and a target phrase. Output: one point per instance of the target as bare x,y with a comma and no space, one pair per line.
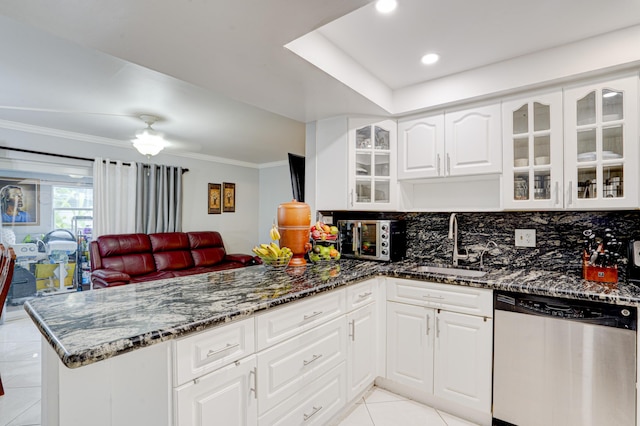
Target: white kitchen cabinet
410,340
463,359
225,396
601,157
372,165
362,349
421,147
456,143
533,162
355,164
440,341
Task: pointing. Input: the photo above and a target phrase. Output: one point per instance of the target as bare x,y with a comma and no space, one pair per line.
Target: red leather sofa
133,258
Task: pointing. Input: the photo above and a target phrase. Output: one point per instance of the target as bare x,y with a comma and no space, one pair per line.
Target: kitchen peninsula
117,342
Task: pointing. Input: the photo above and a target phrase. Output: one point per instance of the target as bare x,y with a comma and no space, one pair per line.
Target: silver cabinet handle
254,389
352,332
226,348
313,359
363,295
570,194
315,410
428,296
438,166
557,193
313,315
351,201
437,327
448,165
428,328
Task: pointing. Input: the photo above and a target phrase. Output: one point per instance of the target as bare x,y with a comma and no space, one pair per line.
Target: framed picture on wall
229,201
20,201
215,198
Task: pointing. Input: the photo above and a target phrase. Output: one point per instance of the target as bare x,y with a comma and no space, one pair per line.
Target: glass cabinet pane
613,181
521,186
587,184
542,150
381,194
521,120
586,109
541,117
542,185
587,145
363,164
363,138
612,105
382,164
521,152
612,143
363,190
382,138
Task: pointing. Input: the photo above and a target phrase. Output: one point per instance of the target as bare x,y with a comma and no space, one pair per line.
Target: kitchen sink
459,272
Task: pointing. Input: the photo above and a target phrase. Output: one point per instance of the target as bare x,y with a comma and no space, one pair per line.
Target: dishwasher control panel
568,309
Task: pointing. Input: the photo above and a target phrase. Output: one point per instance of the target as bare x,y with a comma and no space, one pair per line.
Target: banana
273,247
274,233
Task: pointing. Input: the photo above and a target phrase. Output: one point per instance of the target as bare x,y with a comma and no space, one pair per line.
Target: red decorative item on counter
294,220
604,274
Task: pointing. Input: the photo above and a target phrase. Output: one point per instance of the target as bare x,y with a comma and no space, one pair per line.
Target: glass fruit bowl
277,262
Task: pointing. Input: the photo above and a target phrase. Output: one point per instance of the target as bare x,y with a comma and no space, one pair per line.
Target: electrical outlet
525,238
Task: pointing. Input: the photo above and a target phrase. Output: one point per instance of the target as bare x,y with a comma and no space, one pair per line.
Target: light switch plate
525,238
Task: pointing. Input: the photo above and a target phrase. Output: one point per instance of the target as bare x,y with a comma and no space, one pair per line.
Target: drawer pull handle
226,348
428,296
254,389
314,358
363,295
315,410
314,314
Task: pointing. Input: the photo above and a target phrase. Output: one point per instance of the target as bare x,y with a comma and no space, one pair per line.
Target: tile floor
382,408
20,370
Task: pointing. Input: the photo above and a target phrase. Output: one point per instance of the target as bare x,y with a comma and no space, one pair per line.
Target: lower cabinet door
316,404
410,340
463,359
224,397
362,349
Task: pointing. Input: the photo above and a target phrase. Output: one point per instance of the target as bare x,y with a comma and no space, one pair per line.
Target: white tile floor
20,371
21,376
382,408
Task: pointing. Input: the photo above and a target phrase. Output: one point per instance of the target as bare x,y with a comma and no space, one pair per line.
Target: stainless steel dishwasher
563,362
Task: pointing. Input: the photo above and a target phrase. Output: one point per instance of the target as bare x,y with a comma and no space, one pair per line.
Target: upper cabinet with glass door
601,145
372,162
532,157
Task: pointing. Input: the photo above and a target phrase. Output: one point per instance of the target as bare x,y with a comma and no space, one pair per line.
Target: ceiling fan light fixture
149,142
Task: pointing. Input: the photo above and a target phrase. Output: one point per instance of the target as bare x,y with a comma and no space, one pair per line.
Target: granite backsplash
558,236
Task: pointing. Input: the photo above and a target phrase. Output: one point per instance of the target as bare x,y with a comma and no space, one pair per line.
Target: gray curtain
158,199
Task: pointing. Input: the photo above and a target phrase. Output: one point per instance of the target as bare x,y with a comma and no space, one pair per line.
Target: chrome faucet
453,235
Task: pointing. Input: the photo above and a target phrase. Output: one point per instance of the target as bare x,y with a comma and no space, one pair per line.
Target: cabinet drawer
285,369
361,294
282,323
211,349
316,404
467,300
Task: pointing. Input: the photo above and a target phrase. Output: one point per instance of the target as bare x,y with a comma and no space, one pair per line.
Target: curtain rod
72,157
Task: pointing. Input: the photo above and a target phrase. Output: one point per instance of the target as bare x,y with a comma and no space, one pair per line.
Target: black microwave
383,240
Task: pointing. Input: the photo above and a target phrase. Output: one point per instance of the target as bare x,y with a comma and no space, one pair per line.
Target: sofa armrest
245,259
107,277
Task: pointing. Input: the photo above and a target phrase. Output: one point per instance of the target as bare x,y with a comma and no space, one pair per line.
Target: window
69,204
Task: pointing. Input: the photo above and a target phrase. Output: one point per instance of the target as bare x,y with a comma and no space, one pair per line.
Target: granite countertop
86,327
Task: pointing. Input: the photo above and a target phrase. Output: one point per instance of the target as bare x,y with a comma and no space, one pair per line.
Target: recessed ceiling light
386,6
430,58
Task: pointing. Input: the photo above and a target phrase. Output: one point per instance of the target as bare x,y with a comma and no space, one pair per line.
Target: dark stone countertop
86,327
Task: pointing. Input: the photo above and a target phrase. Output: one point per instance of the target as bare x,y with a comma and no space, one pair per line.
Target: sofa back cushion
171,251
128,253
207,248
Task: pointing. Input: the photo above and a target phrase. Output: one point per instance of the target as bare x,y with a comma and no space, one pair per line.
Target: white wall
275,184
239,230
